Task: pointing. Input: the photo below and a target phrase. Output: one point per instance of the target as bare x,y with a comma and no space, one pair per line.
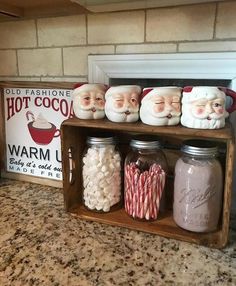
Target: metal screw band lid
100,140
145,144
199,148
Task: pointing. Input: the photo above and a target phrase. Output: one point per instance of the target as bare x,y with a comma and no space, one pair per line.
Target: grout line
86,28
177,47
145,26
36,28
215,21
62,61
17,63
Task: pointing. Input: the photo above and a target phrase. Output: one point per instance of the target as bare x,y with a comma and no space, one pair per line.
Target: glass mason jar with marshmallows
101,172
144,178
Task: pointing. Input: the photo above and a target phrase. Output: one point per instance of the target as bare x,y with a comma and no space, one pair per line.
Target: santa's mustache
92,108
126,110
166,113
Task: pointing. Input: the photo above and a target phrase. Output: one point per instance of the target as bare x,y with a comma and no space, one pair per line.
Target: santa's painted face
89,104
160,109
122,107
204,108
208,109
166,106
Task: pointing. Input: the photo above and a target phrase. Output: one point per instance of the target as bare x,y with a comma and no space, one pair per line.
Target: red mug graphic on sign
42,132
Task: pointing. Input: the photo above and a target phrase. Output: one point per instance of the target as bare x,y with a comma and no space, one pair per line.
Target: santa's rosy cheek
134,104
199,110
84,102
100,103
118,104
176,106
158,108
219,110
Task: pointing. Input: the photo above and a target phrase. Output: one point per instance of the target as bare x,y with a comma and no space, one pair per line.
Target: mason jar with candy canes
145,173
101,173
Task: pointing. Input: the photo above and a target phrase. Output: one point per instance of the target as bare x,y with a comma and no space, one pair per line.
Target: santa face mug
89,101
203,107
161,106
122,103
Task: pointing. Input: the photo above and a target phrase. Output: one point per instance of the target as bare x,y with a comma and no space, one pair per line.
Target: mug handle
58,133
232,94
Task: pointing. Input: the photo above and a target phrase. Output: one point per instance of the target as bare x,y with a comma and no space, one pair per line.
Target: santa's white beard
148,116
119,115
193,122
89,114
208,121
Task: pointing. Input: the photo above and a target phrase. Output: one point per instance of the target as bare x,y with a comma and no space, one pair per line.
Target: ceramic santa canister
203,107
161,105
122,103
89,100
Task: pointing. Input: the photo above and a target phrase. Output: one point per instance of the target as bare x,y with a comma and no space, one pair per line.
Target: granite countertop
41,244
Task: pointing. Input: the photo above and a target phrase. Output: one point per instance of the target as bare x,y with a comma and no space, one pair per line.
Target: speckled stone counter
41,244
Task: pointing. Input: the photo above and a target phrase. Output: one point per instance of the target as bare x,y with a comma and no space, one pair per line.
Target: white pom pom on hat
122,89
87,87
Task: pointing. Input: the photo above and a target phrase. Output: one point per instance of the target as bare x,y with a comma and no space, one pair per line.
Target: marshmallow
101,167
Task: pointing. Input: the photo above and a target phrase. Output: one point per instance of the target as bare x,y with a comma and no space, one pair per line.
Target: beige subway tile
226,20
76,59
40,62
119,27
64,79
194,22
62,31
8,64
208,46
19,78
146,48
18,34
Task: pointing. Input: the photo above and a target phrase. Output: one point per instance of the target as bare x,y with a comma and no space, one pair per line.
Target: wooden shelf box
73,135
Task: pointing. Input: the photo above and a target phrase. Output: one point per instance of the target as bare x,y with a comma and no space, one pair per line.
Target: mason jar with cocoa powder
198,187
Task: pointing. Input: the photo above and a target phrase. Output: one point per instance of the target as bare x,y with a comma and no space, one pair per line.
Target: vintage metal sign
32,125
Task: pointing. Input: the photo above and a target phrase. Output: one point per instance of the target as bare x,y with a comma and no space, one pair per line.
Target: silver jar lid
145,144
100,140
199,148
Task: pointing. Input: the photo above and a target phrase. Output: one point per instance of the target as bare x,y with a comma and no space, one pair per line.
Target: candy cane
154,186
141,184
143,191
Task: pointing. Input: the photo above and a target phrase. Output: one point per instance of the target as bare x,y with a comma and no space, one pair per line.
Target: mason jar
198,187
101,171
144,179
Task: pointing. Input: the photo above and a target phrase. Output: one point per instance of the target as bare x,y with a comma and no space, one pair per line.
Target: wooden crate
74,133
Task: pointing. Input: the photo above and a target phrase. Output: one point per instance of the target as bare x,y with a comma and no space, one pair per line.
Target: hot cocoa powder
197,194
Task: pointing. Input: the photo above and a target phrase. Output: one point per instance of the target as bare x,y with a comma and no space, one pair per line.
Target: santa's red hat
123,89
87,87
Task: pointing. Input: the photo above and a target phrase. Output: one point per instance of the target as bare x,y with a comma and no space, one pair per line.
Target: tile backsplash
57,48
